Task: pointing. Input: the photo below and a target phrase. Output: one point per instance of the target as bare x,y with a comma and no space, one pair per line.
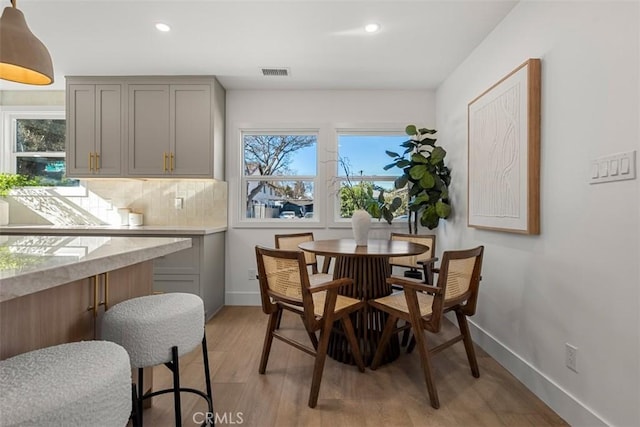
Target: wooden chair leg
468,344
425,359
318,367
268,339
312,335
353,342
279,319
384,341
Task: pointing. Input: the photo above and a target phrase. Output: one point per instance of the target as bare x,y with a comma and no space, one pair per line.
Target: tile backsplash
204,202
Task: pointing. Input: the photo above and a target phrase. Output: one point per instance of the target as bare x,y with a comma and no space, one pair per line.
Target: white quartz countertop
33,263
112,230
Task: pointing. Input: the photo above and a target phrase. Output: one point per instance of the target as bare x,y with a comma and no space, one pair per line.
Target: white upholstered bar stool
155,330
76,384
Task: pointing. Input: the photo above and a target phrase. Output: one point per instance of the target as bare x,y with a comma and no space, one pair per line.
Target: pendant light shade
23,58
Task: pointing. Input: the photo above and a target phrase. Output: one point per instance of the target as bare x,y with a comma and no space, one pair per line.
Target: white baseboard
562,402
242,298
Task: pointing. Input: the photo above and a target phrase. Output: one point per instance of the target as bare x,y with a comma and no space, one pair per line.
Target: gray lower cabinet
198,270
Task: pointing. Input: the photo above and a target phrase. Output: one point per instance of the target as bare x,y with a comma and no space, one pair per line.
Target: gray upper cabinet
173,127
170,130
95,130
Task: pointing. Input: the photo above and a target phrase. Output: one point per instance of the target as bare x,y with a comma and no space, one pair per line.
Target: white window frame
8,130
319,206
8,125
334,220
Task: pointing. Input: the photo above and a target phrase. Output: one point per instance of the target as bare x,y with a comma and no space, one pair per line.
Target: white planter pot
360,223
4,212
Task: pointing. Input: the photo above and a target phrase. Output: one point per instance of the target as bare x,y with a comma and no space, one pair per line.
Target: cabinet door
190,130
149,130
54,316
81,128
109,132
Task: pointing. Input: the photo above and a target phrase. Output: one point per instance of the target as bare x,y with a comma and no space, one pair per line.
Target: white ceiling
323,43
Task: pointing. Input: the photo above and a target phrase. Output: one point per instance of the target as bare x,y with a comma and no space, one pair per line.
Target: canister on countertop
124,215
135,219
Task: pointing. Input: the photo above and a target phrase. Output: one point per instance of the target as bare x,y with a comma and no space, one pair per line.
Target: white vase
360,223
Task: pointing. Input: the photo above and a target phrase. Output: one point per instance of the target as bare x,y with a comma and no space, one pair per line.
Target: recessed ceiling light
372,28
160,26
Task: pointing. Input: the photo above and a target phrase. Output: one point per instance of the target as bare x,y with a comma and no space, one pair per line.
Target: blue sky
365,153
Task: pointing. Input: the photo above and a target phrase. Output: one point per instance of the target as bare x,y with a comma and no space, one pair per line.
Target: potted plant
7,182
427,178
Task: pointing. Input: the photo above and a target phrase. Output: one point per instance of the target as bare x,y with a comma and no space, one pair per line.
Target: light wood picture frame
504,153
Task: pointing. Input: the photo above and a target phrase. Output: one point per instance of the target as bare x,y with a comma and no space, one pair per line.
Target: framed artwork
504,153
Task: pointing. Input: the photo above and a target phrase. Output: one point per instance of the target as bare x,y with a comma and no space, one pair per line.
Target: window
279,175
35,142
360,166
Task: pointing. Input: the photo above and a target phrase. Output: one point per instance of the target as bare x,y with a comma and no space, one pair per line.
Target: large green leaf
418,171
429,218
401,182
428,141
411,130
427,180
421,199
443,210
419,158
403,163
392,154
395,203
425,130
437,155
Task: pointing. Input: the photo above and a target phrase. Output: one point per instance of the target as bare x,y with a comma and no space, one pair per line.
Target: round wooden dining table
369,268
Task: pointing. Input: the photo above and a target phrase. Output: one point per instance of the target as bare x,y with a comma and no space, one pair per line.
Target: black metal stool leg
140,394
176,386
205,360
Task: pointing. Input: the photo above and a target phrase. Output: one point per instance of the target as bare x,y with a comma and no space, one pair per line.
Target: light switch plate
616,167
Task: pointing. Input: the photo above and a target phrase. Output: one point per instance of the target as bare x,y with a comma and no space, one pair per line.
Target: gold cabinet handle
94,307
171,162
106,291
97,166
164,161
90,162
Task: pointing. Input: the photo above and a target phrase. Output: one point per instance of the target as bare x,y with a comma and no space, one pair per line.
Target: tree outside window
279,174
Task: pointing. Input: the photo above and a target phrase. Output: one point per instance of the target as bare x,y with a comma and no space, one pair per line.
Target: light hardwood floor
393,395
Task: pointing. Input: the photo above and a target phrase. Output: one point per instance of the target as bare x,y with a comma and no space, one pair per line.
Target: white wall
578,281
320,109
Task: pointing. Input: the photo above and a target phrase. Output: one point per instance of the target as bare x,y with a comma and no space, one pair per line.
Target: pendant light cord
13,3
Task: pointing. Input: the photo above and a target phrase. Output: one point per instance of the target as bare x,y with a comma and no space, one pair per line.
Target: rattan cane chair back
416,263
290,242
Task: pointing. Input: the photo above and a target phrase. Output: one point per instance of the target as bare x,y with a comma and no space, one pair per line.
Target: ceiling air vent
281,72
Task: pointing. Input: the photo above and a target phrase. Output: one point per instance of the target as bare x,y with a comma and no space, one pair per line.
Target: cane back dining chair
423,306
415,263
290,242
284,285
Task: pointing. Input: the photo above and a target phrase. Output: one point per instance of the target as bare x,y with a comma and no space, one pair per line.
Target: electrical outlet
252,274
178,202
571,355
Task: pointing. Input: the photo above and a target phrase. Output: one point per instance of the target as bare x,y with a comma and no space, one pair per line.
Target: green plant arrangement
427,178
361,195
12,180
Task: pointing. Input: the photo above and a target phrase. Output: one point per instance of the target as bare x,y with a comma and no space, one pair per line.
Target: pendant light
23,58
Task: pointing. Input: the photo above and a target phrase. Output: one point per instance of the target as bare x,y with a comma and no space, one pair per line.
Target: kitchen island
54,289
198,270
